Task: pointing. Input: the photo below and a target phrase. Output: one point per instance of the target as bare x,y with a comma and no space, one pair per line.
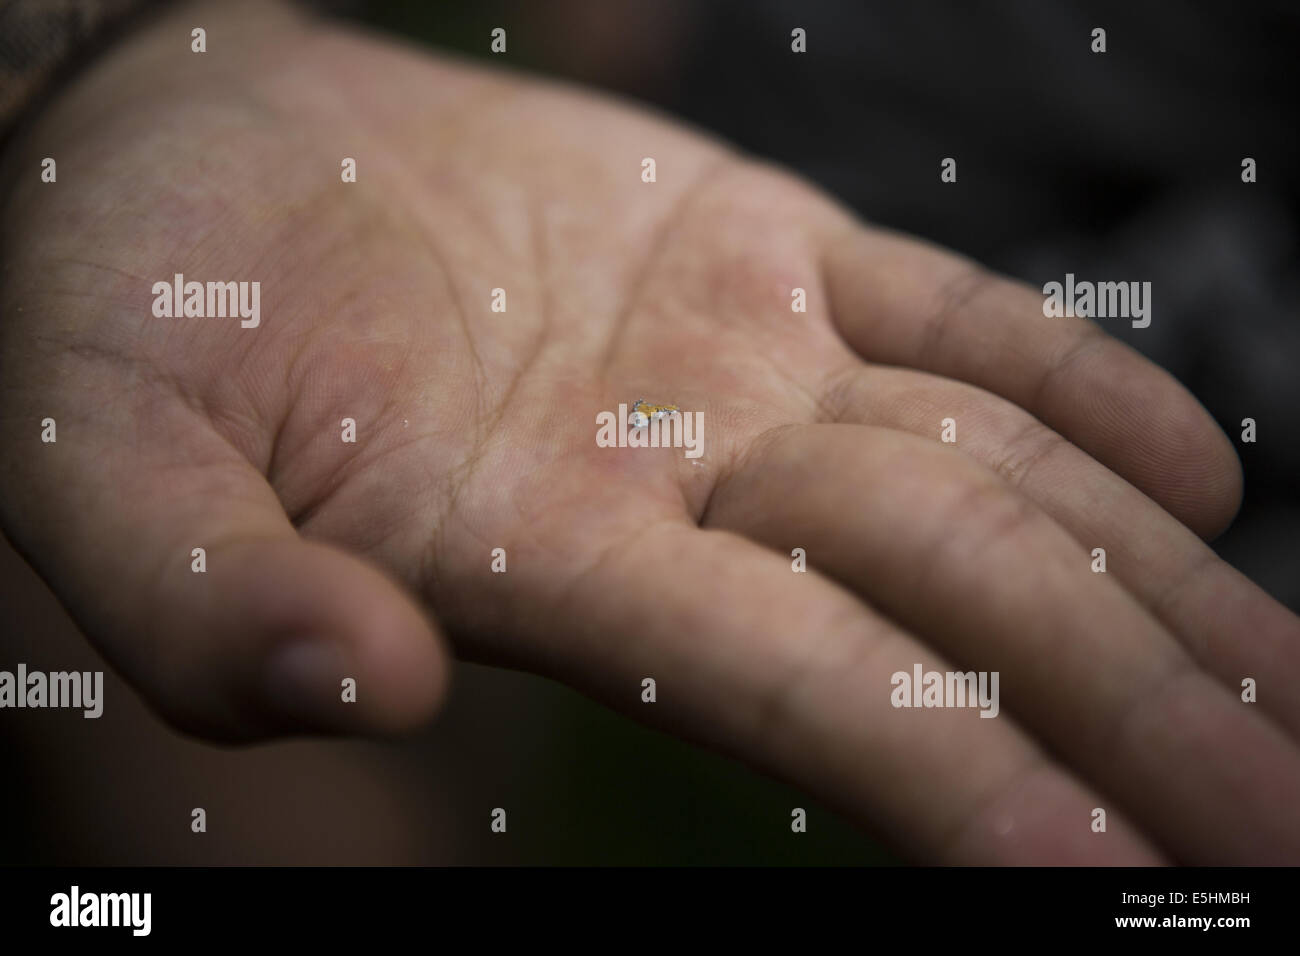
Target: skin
476,430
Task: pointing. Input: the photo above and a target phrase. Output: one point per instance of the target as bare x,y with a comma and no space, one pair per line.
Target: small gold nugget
644,413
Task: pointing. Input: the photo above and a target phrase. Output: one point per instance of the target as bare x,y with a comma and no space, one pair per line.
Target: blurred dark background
1122,165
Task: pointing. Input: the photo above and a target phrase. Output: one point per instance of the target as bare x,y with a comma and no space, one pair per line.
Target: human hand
476,430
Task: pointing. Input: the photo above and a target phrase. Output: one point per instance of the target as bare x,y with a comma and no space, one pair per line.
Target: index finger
903,302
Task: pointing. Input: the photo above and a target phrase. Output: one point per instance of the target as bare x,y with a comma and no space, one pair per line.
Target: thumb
179,562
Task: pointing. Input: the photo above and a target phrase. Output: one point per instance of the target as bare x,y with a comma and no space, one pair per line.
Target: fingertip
1154,433
1214,485
364,659
1192,469
297,637
404,659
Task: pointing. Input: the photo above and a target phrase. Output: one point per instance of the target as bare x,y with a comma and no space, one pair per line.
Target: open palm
476,431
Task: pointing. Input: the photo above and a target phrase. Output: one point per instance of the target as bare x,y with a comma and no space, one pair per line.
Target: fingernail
304,683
